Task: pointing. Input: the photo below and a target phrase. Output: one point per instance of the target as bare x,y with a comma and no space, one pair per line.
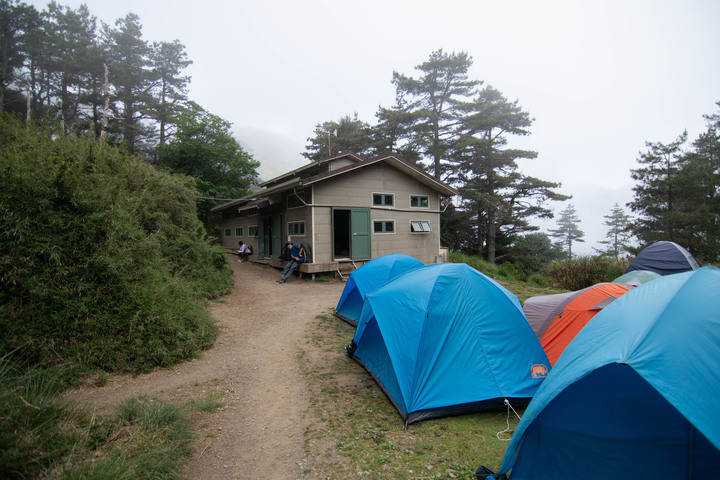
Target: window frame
420,197
296,223
422,224
252,231
384,223
384,197
238,231
228,232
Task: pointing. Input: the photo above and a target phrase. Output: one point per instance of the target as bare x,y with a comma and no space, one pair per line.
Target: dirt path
259,432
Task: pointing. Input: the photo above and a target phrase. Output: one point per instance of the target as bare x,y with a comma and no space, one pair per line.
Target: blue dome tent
664,258
445,339
634,395
367,278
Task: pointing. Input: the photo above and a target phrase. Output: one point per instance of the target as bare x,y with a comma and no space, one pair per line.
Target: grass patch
324,277
360,434
43,437
142,440
208,404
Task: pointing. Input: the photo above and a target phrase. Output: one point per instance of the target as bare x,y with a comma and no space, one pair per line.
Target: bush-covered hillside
103,260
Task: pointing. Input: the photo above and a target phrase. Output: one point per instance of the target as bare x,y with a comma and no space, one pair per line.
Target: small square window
296,228
253,231
419,201
384,226
238,231
228,232
383,200
420,226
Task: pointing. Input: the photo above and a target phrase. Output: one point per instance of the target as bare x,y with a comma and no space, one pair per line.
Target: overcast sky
600,78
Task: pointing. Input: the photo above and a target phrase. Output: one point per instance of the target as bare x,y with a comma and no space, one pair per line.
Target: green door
270,235
277,238
360,233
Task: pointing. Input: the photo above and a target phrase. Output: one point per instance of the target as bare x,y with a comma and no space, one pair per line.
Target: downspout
312,221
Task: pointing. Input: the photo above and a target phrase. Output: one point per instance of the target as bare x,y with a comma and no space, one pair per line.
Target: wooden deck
340,268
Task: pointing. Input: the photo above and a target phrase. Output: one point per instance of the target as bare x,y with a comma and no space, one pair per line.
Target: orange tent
556,319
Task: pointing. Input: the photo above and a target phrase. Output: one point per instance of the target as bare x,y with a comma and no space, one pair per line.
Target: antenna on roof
329,150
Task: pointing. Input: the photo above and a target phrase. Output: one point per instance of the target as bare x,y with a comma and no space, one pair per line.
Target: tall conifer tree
435,99
568,231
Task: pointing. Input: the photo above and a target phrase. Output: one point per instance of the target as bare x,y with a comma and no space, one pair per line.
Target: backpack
308,252
249,249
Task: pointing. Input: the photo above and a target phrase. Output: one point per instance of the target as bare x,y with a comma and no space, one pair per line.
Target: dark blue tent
664,258
367,278
445,339
635,395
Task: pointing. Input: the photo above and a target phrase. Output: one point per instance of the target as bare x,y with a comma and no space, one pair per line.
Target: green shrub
509,271
103,259
537,279
585,272
477,263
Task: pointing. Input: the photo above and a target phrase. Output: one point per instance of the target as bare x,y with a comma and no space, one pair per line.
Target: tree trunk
491,236
106,91
27,105
480,234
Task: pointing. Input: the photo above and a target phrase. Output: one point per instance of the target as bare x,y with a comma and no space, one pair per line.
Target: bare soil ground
260,431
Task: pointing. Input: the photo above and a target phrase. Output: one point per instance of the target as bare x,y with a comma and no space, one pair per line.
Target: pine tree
618,234
435,100
17,22
170,87
499,198
128,59
658,191
349,134
69,61
700,201
568,231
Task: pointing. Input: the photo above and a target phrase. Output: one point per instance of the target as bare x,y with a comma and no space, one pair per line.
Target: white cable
507,420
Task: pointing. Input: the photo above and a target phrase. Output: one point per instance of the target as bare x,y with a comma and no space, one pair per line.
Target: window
252,231
294,202
420,226
251,211
238,231
383,200
384,226
228,232
296,228
419,201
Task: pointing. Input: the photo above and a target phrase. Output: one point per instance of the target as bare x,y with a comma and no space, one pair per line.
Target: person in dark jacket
297,256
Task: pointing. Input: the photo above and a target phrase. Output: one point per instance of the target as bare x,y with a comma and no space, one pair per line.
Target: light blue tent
635,395
445,339
637,277
367,278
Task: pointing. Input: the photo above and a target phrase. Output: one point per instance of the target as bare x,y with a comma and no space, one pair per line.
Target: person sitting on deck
243,252
297,256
